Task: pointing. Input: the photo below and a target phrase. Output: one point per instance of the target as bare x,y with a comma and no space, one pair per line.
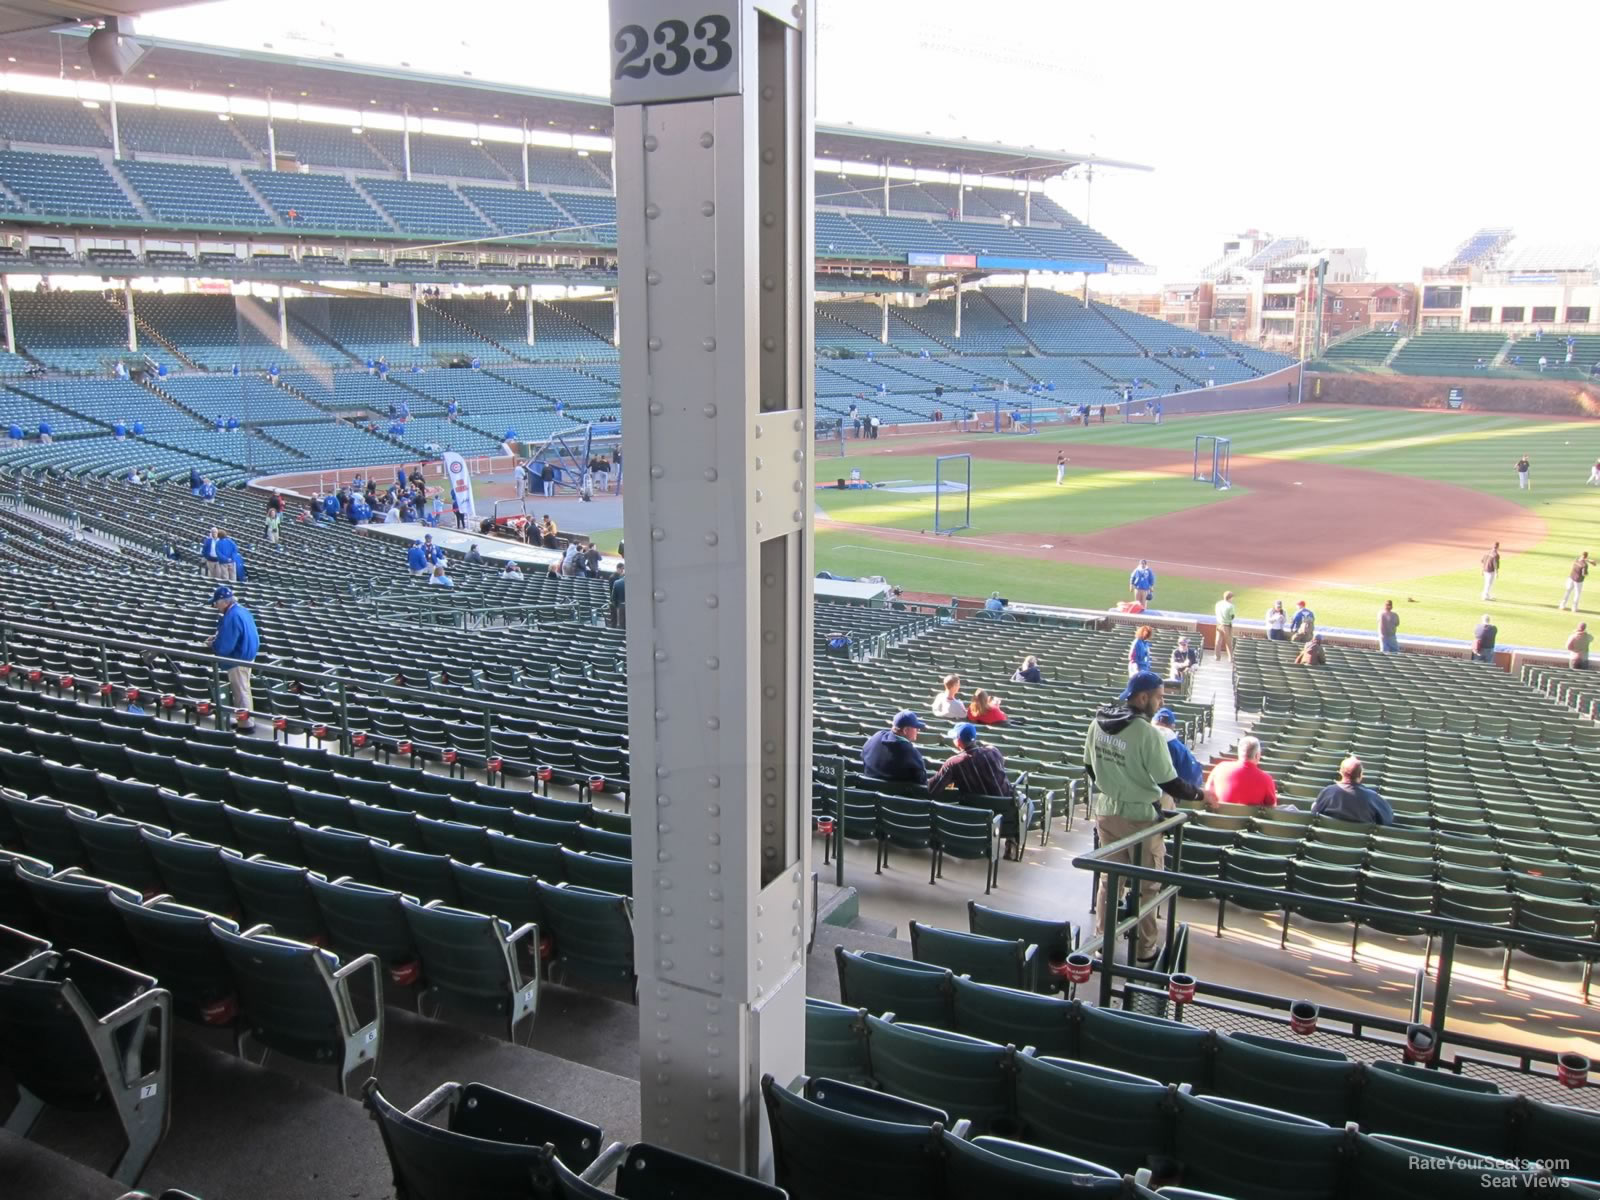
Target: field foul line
1338,584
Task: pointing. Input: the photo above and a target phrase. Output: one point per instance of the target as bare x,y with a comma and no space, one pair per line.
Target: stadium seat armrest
137,1012
524,931
607,1161
424,1109
961,1129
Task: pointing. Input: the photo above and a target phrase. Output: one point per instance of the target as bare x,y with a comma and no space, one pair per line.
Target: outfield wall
1265,391
1545,397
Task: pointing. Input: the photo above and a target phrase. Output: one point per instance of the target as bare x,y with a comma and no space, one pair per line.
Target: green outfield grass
1012,497
1471,450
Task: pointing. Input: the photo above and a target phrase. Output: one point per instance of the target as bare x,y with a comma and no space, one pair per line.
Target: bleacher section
1364,350
425,208
70,185
1447,353
47,121
322,202
175,131
72,331
194,195
515,211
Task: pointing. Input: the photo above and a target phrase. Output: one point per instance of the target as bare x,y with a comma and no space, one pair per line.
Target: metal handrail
1448,929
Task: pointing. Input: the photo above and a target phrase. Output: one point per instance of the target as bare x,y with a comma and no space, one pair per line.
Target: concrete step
248,1132
29,1169
822,971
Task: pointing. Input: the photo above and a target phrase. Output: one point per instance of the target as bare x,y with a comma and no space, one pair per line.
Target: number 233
713,52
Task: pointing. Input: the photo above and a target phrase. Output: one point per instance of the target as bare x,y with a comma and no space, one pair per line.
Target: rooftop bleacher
1446,353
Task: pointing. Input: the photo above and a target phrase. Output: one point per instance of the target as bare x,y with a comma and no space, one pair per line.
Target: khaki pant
239,688
228,571
1225,640
1153,854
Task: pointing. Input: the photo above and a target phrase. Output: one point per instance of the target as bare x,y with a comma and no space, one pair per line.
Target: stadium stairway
451,319
1021,329
1399,345
149,333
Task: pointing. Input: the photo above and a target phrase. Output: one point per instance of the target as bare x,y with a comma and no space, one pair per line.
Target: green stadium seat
425,876
1236,1148
276,894
646,1172
490,1145
823,1148
967,833
1560,1133
602,872
836,1042
81,1034
262,834
174,941
966,1076
1055,939
302,1001
1092,1112
1293,1076
336,853
1436,1106
471,959
17,947
593,934
1000,961
78,914
540,859
114,849
1395,1168
1144,1045
997,1014
913,991
45,829
363,919
997,1166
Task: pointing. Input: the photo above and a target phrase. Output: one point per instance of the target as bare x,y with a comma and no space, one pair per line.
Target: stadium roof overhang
338,82
47,14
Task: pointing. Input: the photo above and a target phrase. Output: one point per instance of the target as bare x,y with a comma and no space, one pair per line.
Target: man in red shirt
1243,781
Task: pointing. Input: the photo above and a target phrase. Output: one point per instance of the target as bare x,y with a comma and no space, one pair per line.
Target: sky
1400,126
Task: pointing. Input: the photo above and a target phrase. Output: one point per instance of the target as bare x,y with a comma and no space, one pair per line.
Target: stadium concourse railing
217,668
1226,999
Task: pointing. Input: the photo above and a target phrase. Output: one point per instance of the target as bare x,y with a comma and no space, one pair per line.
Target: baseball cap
907,717
1166,714
1144,681
222,593
964,732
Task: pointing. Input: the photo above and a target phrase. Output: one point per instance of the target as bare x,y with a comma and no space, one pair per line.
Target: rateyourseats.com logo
1498,1172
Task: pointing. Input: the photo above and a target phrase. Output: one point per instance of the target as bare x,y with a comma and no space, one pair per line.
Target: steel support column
272,137
961,194
11,329
883,318
958,306
111,115
527,300
1027,203
416,331
527,181
405,141
714,219
133,320
283,320
1025,297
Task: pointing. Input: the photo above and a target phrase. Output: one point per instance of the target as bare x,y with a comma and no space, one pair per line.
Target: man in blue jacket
1183,760
891,753
208,552
227,552
237,641
417,559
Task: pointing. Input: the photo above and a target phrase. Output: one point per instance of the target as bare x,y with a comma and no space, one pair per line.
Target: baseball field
1343,507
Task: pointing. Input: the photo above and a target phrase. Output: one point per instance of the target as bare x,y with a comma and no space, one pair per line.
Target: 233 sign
676,58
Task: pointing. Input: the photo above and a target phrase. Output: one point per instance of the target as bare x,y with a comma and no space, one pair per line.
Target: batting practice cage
952,493
827,437
1211,455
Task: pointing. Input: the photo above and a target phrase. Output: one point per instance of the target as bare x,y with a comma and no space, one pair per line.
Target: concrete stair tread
29,1169
249,1132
